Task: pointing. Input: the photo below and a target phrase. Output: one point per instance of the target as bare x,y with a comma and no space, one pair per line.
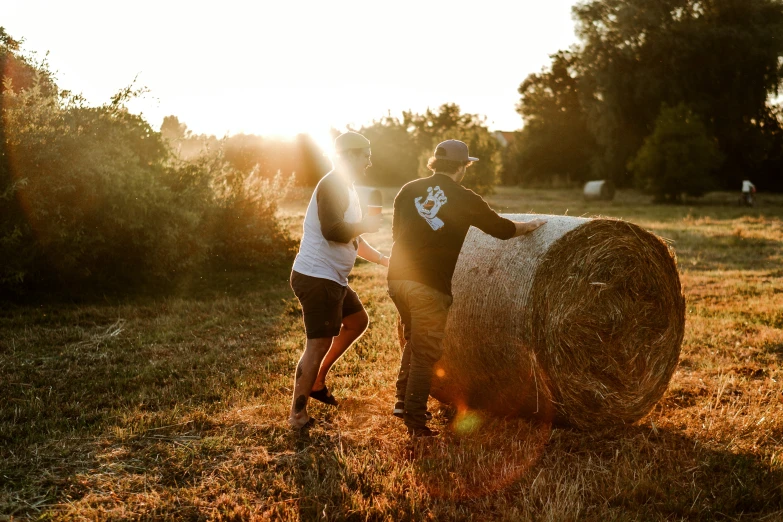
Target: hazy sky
284,67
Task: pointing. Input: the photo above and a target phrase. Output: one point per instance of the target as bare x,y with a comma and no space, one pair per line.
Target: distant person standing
431,219
748,193
333,314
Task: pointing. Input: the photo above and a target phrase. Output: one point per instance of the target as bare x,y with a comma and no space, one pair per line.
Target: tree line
400,148
671,96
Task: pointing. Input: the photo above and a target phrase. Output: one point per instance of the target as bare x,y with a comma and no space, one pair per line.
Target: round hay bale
599,190
579,323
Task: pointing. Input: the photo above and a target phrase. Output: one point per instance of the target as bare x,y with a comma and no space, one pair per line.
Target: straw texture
579,323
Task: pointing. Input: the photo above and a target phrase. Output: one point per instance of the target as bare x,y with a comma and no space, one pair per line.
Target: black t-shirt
431,219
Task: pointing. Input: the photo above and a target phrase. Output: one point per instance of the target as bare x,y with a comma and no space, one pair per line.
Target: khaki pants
423,311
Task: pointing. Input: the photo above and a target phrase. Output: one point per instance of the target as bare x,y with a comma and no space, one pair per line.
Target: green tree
17,73
449,122
172,130
770,173
483,175
720,57
555,142
395,154
246,152
677,158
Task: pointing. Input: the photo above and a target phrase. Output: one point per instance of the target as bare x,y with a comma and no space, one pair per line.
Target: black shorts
324,304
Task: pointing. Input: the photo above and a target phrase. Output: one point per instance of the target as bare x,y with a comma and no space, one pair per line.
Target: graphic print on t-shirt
430,207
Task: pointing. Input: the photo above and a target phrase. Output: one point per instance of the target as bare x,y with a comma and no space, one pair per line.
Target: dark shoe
399,411
418,433
323,395
306,426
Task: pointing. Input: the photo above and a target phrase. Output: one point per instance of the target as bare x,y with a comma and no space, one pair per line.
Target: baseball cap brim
350,140
470,158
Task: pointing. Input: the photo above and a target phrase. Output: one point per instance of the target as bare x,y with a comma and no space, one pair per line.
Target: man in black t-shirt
431,219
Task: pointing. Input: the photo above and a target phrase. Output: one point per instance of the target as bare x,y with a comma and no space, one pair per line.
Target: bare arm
527,227
332,198
367,252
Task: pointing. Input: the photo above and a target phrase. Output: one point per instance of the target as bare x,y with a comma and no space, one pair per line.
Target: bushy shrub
242,227
239,226
93,207
93,198
677,158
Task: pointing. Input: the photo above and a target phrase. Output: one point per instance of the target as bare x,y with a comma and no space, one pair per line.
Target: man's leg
424,355
402,375
352,328
429,311
322,304
404,330
306,372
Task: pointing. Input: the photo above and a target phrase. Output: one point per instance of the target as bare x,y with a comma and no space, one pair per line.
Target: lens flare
467,422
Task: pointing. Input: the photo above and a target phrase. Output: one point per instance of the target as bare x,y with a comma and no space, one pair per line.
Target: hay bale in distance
602,189
579,323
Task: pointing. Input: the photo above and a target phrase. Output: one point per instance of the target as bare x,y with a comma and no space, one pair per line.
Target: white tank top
319,257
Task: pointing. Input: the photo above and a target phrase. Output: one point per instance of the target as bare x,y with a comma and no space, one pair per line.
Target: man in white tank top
332,238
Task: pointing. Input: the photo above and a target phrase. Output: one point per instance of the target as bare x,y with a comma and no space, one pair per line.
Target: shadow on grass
638,472
203,283
83,384
525,471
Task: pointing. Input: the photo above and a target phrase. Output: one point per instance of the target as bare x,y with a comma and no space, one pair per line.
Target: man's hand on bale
527,227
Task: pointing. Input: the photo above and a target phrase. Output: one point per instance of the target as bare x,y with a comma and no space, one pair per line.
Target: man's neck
453,177
344,175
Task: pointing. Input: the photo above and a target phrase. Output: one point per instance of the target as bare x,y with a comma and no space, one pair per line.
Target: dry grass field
175,407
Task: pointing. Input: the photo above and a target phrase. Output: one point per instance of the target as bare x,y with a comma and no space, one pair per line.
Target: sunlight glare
467,421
